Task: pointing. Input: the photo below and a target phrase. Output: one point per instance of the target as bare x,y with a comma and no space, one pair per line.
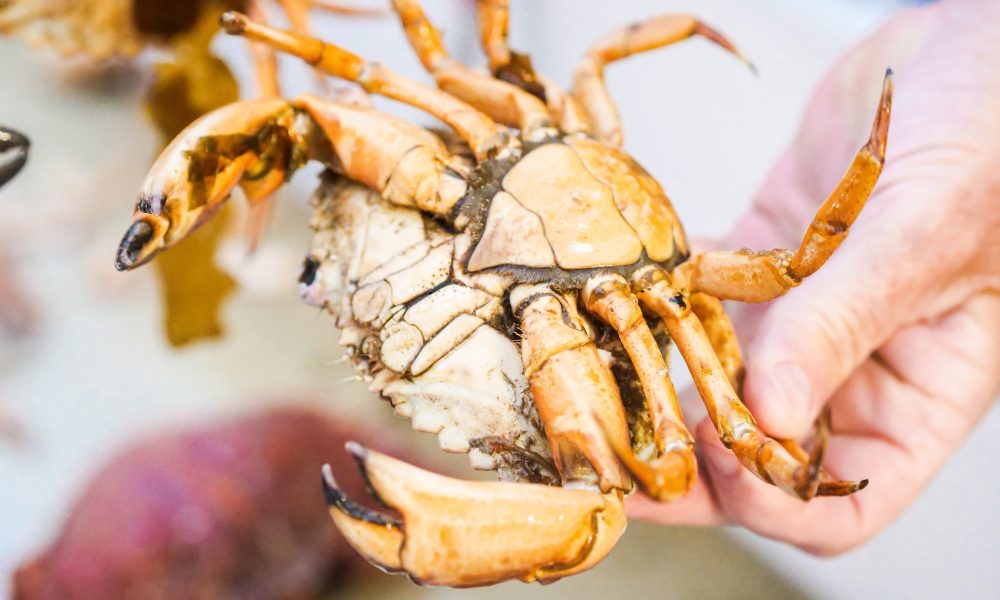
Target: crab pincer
13,153
467,533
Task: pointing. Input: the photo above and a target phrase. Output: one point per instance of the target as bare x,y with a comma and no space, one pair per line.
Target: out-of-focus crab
516,296
15,313
13,153
103,29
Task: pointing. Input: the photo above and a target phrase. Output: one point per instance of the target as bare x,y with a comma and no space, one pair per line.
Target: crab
514,290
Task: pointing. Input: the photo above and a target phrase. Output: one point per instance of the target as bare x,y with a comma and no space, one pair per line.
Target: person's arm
900,331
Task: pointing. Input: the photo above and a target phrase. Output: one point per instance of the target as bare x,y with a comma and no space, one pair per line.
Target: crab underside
515,292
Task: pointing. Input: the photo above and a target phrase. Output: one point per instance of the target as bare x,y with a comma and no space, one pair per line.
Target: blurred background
90,374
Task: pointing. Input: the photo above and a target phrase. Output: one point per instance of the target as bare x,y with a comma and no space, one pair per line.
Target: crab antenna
481,132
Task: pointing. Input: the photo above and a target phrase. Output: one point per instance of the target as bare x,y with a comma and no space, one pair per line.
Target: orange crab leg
478,130
588,80
516,68
765,457
468,533
721,334
559,355
265,61
494,20
339,8
513,67
761,276
503,101
671,470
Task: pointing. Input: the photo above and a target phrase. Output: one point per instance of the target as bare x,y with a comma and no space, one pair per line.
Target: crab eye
136,238
309,267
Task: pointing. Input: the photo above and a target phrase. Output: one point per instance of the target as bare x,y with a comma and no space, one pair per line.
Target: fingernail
792,392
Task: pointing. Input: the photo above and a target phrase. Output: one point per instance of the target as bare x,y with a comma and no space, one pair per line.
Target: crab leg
574,391
265,61
762,276
257,143
478,130
468,533
516,68
721,334
339,8
588,80
505,64
765,457
494,21
501,100
672,467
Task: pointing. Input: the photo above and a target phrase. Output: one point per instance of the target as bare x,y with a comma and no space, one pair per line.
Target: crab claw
13,153
467,533
195,174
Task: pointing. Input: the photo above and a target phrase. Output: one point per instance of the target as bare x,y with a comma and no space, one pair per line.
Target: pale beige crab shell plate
577,205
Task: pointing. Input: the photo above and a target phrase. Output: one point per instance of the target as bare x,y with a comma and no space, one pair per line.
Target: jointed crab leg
721,334
762,276
503,101
265,61
466,533
671,467
765,457
494,20
505,64
558,355
588,84
478,130
516,68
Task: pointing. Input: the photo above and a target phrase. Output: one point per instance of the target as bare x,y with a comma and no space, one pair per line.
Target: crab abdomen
426,334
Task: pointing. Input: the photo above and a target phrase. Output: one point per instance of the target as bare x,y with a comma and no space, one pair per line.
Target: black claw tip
13,153
862,484
357,451
336,499
889,72
330,490
136,238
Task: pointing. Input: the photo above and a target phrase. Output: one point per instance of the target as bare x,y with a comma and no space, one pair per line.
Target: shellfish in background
229,511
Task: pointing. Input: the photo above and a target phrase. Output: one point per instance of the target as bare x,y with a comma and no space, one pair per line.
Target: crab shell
424,310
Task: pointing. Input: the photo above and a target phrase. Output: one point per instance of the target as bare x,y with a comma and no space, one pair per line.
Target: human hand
899,333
